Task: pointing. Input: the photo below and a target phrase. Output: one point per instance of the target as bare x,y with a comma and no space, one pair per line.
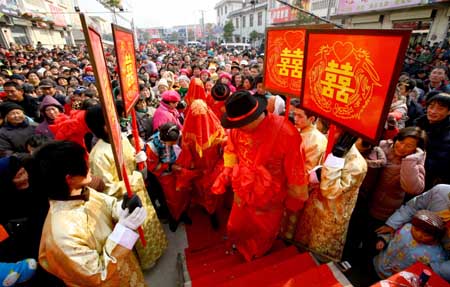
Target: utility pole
203,22
329,8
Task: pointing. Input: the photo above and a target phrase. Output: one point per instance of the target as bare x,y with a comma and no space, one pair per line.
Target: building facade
428,19
250,23
31,21
224,8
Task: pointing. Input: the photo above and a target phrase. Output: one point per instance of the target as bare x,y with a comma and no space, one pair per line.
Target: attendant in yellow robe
323,224
314,144
102,164
87,238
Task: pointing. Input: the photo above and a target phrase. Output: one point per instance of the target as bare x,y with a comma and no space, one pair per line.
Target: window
259,18
19,35
237,22
243,21
218,12
251,20
226,9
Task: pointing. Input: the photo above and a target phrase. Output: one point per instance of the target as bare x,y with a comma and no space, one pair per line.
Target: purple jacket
42,128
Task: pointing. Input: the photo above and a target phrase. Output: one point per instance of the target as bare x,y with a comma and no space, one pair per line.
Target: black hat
18,77
236,65
242,108
6,107
47,83
220,92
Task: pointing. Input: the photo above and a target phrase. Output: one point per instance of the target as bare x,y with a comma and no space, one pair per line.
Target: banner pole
137,143
130,194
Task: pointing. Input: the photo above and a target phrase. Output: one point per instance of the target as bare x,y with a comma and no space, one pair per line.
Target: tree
174,36
302,18
228,30
146,36
254,35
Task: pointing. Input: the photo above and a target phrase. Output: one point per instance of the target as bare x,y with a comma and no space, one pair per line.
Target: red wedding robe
201,152
268,175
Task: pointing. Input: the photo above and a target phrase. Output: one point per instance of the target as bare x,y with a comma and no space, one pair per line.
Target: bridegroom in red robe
265,165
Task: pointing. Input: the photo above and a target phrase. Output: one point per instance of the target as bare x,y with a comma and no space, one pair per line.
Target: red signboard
126,60
103,83
350,76
283,61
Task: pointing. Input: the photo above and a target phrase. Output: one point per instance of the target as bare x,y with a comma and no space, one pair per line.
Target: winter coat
164,114
437,200
399,177
30,105
43,128
13,138
437,163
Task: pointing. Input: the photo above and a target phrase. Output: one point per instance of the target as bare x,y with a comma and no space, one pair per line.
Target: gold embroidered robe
323,224
75,246
102,164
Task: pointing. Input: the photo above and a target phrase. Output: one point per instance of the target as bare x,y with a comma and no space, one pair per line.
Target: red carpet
200,234
275,272
320,276
225,274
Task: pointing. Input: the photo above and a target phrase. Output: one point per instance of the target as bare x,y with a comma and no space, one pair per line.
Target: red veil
203,137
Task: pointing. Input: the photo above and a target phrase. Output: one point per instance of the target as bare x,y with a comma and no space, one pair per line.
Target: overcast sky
166,13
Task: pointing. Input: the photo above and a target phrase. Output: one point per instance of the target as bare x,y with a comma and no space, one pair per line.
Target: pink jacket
165,114
399,177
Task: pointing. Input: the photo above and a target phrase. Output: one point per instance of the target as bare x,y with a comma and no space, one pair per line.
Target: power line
311,14
63,13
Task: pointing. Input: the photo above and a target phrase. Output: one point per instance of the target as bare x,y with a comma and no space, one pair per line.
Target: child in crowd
415,241
162,152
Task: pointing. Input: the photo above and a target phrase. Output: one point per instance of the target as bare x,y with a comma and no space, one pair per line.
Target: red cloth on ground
177,201
253,231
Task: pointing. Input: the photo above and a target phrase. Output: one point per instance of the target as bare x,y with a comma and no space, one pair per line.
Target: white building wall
224,8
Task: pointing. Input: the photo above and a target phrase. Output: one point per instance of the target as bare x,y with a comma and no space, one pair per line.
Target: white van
196,44
236,46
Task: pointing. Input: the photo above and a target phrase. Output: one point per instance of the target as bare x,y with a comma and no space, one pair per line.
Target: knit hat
184,78
225,75
6,107
163,82
429,222
170,96
205,72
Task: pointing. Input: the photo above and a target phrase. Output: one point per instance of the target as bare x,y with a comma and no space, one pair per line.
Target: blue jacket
436,200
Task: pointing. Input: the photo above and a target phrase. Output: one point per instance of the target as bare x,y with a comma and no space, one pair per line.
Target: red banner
283,61
126,61
95,46
350,76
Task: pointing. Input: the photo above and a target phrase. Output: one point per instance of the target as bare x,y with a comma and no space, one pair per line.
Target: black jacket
437,163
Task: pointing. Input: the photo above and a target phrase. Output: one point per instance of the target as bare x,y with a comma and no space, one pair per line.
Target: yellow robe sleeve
336,181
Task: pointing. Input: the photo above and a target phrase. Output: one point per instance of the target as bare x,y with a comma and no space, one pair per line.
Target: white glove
141,156
133,220
313,178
